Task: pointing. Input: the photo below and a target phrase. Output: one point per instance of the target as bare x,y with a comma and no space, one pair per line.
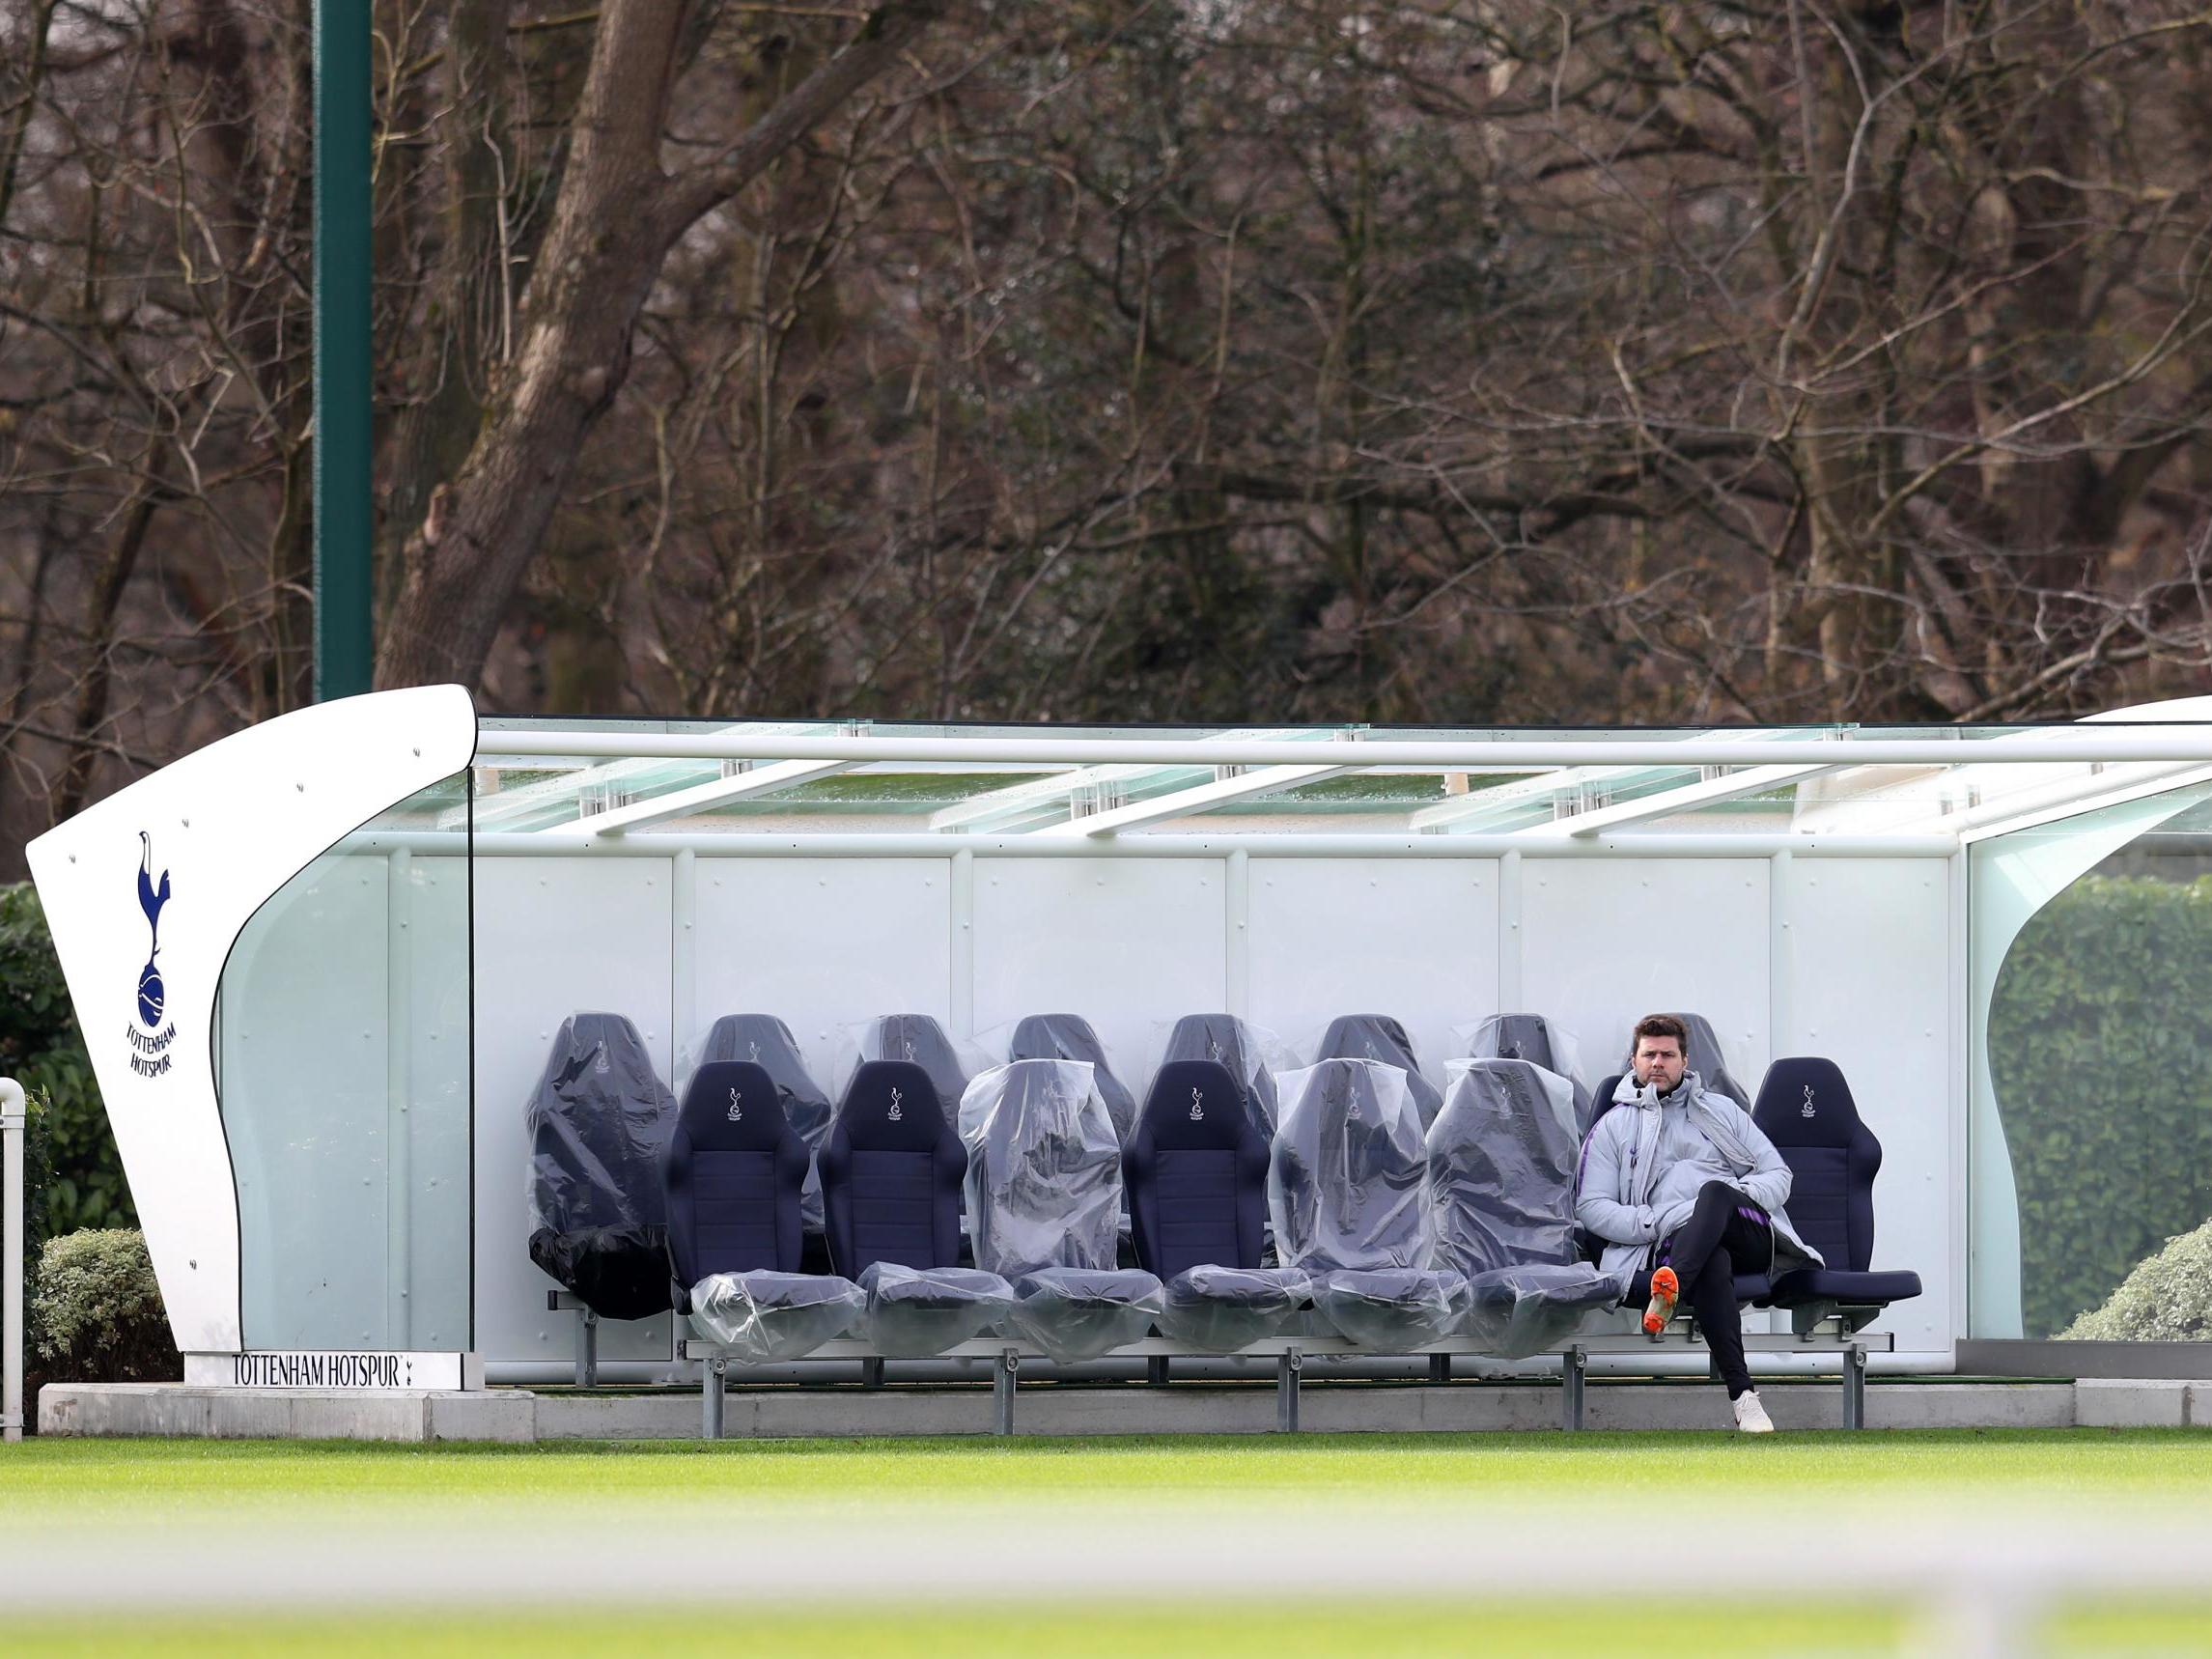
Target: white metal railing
15,1125
2170,742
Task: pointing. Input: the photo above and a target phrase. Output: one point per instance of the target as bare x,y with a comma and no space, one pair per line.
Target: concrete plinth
2152,1402
515,1414
179,1411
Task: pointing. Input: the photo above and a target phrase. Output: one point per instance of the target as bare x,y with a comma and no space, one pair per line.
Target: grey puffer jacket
1620,1171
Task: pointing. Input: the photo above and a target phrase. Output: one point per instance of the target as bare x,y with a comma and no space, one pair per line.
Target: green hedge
43,1050
97,1316
2100,1048
2167,1299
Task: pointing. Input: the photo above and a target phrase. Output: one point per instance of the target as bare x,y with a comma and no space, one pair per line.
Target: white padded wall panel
821,943
554,937
1870,989
1415,939
1603,944
1131,945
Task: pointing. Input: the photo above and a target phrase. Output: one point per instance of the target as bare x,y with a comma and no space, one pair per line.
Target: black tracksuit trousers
1726,1230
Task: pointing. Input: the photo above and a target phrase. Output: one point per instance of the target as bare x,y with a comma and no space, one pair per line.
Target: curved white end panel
146,892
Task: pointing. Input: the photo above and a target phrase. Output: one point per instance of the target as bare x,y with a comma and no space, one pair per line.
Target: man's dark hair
1661,1026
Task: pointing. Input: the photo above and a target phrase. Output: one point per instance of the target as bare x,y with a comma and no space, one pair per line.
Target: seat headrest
1516,1037
1209,1037
1054,1037
761,1038
1805,1102
733,1106
595,1044
891,1106
1195,1105
1367,1037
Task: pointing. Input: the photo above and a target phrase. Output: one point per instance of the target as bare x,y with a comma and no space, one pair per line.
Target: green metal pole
343,656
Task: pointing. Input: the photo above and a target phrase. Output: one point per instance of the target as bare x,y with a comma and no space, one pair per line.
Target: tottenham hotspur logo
150,1055
736,1112
1806,1110
1198,1107
896,1097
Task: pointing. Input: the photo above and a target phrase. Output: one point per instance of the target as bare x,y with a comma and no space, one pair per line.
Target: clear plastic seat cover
1044,1169
1344,1183
1536,1039
761,1317
768,1043
1077,1314
1501,1165
1220,1310
1392,1308
1380,1037
1070,1038
598,1121
915,1312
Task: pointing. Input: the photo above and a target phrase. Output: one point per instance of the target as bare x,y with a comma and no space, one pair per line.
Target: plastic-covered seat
600,1119
1228,1041
1501,1165
1344,1189
1380,1037
1044,1194
1070,1038
734,1172
1807,1110
765,1041
1197,1171
1533,1038
891,1173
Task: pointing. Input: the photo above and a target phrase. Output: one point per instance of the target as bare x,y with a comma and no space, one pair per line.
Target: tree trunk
617,215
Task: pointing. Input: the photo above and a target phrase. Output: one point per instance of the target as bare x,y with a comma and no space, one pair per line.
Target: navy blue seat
1806,1108
1196,1170
1230,1041
891,1173
733,1173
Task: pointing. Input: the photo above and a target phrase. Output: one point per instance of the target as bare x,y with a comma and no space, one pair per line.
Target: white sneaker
1750,1416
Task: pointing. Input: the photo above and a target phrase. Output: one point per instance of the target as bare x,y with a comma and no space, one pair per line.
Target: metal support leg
1287,1369
587,1348
711,1400
1155,1370
871,1373
1003,1384
1855,1387
1573,1364
1439,1367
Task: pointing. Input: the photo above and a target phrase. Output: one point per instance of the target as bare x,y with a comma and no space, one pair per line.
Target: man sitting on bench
1685,1191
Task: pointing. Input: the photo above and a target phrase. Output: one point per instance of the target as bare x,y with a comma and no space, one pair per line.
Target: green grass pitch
81,1486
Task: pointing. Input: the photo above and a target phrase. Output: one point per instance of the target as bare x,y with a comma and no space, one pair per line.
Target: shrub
2166,1299
2097,1048
42,1048
98,1316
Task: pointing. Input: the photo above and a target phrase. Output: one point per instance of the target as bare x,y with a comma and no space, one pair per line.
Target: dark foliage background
2096,1049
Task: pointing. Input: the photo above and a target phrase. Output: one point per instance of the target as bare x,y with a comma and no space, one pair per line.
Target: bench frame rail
1835,1335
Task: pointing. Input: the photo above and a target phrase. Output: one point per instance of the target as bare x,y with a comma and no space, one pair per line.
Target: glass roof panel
1009,795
